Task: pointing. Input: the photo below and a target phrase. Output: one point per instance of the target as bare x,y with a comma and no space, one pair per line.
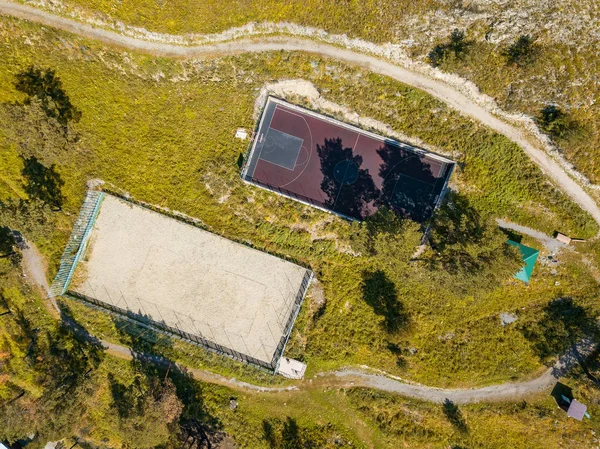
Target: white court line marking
311,145
264,135
297,155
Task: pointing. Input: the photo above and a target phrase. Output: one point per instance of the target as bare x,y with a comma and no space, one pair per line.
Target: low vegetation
57,384
551,48
161,131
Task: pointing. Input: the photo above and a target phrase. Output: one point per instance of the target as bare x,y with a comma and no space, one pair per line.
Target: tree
553,121
520,52
148,410
45,86
55,368
386,235
557,326
455,46
469,251
8,245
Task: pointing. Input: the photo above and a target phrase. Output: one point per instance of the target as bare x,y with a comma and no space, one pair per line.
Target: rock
233,404
94,183
507,318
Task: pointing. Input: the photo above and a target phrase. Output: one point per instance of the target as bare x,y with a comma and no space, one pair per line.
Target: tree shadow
521,52
563,395
408,183
512,235
380,293
289,435
43,183
350,190
558,327
455,46
9,246
143,339
240,161
46,87
194,435
465,243
454,415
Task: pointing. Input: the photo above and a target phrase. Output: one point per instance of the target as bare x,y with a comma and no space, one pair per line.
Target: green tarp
530,256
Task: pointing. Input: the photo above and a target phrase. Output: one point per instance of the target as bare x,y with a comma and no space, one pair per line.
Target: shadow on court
408,183
350,190
380,293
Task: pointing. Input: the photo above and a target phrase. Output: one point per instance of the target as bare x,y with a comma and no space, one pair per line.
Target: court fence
146,320
76,247
77,242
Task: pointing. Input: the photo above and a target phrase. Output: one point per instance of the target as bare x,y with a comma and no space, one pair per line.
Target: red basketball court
341,168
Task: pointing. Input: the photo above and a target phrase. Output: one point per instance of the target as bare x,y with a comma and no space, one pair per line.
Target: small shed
241,134
290,368
576,410
563,238
530,256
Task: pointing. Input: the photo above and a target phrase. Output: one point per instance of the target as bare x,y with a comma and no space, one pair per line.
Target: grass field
163,131
319,416
563,53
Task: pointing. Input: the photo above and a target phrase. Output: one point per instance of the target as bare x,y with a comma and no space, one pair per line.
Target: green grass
370,19
327,416
163,131
555,74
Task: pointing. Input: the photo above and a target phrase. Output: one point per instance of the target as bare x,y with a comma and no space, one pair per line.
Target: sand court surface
192,280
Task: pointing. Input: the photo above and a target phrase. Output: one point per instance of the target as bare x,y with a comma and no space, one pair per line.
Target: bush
553,121
456,46
520,52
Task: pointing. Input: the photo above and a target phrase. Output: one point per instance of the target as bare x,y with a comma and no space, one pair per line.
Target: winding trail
34,267
437,89
34,264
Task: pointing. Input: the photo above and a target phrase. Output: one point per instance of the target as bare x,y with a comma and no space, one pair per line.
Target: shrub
520,52
553,121
456,46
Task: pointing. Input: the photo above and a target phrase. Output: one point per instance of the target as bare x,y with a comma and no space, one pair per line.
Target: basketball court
341,168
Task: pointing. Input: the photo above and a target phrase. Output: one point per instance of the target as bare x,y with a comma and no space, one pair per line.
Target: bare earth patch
188,278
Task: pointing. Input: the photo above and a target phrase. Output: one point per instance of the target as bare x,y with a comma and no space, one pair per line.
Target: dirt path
34,265
550,243
438,89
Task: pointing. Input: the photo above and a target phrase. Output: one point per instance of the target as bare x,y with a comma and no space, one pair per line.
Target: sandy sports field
198,282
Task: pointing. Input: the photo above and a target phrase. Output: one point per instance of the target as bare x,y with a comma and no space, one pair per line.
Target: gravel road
351,377
438,89
35,268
